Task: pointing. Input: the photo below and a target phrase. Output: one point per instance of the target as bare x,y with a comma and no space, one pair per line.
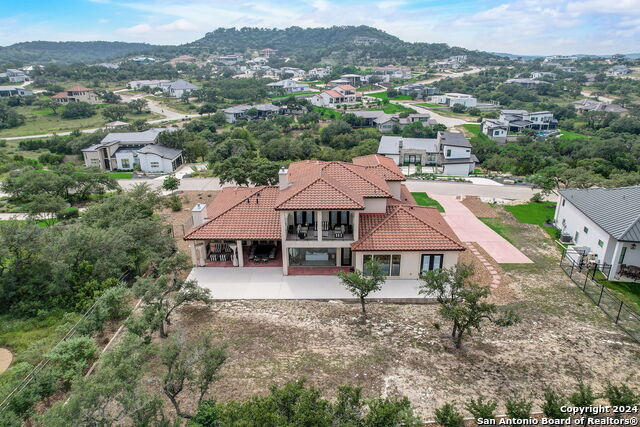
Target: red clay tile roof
60,95
333,93
346,87
320,193
241,213
406,228
346,185
78,88
406,198
384,166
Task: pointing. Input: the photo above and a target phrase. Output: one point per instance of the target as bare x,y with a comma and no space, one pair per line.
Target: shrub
78,110
584,396
71,356
620,395
175,203
448,416
552,403
480,408
536,198
68,213
458,108
518,408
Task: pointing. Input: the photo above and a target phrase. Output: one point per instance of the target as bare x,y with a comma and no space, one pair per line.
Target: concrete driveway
488,192
269,283
470,229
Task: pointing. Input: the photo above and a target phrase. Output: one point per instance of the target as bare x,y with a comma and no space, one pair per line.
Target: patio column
338,257
356,225
319,224
240,254
614,260
285,260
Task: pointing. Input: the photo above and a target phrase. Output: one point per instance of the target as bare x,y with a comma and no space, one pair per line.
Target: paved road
470,229
600,98
269,283
445,120
488,192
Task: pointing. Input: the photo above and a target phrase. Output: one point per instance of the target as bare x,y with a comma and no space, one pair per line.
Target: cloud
137,29
103,21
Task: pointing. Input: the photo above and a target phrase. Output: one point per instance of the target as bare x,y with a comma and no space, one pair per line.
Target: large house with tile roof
342,94
76,94
324,217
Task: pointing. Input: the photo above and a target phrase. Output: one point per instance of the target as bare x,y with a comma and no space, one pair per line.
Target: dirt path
5,359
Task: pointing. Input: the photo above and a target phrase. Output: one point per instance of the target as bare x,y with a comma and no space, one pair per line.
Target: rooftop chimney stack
283,178
199,214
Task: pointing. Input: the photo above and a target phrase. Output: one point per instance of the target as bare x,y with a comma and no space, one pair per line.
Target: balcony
344,232
320,225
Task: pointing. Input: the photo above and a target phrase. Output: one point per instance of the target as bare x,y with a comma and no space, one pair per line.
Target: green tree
45,207
360,284
621,395
78,110
519,408
138,105
45,103
72,356
167,291
114,112
584,396
170,183
461,301
481,408
553,402
190,366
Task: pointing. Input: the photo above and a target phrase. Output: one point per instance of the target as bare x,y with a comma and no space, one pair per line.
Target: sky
523,27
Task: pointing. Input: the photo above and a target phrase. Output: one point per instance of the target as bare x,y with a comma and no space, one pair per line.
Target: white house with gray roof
450,153
605,222
130,150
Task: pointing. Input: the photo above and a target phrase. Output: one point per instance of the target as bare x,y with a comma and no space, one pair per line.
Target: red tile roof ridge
327,180
242,200
351,166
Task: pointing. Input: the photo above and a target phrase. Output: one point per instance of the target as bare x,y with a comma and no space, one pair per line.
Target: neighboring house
325,217
515,121
451,63
151,84
542,74
342,94
318,73
526,83
289,86
15,76
353,79
387,122
619,70
182,59
453,98
566,69
450,152
127,150
297,73
143,59
592,105
178,88
495,129
604,222
267,52
229,59
76,94
556,59
239,112
6,91
418,90
394,72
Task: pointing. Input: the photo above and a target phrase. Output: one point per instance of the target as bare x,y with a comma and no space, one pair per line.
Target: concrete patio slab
468,228
252,283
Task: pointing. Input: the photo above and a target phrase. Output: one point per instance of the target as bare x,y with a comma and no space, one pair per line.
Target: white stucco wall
395,188
378,205
571,220
125,155
164,165
461,169
456,152
410,262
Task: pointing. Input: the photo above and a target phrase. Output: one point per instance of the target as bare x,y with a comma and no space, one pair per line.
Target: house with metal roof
132,150
604,225
322,218
449,153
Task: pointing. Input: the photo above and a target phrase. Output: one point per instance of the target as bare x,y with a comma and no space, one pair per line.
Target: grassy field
534,213
569,136
424,200
327,113
395,108
43,121
478,136
384,95
121,175
429,105
175,104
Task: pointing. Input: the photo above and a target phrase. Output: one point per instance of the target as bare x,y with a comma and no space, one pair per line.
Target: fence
586,277
179,230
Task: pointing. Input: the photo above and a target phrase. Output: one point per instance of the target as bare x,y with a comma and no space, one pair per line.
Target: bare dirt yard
406,349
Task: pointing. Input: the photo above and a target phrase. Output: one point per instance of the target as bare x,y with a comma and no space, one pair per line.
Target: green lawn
627,291
292,95
423,199
327,113
121,175
394,108
429,105
500,227
42,121
175,104
534,213
478,136
384,95
569,136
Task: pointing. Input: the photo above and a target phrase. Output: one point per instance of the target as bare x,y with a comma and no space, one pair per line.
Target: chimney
283,178
199,214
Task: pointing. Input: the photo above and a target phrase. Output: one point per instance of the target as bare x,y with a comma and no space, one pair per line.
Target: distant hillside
41,52
311,45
